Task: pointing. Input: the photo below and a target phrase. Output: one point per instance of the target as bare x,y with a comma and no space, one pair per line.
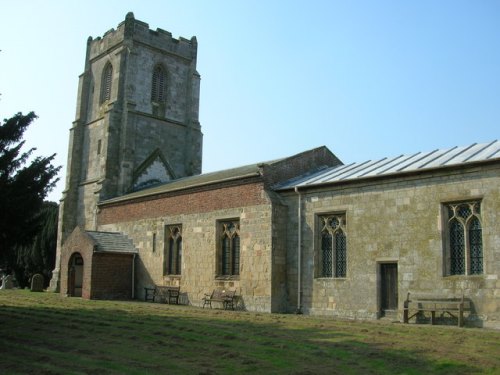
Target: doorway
388,289
75,275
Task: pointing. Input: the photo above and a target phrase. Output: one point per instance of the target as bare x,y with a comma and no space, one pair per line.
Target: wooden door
389,287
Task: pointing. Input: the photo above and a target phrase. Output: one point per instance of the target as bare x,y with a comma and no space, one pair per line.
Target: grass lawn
45,333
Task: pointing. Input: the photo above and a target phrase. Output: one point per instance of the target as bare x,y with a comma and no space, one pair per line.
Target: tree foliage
25,181
39,255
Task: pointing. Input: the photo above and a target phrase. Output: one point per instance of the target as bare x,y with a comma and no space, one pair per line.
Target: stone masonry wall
199,214
397,220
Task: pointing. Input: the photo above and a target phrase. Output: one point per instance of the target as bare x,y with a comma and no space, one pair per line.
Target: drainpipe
299,252
133,276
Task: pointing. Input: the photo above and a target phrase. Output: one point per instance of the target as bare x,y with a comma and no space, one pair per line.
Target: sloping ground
47,333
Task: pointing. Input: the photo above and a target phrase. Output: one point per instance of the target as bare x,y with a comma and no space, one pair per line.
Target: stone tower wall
110,140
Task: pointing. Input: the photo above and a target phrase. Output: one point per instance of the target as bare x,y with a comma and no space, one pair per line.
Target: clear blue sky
367,79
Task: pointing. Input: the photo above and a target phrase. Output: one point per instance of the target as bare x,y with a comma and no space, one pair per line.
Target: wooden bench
226,297
167,294
453,307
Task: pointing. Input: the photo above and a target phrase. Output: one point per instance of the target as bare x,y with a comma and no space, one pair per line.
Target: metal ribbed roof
112,242
400,164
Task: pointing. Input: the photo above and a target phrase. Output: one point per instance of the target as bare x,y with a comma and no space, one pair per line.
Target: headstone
37,283
7,282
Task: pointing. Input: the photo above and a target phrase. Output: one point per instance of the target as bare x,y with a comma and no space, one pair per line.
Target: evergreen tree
39,256
24,184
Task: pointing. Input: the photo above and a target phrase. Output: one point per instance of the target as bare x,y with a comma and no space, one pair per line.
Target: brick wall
77,243
112,276
183,203
299,164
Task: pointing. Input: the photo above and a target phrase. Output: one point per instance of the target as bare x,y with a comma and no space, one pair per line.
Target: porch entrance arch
75,275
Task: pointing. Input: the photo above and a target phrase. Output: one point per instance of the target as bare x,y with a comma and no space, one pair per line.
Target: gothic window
159,85
464,245
229,248
107,77
173,250
333,247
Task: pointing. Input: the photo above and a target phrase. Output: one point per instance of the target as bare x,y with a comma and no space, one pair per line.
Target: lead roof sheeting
401,164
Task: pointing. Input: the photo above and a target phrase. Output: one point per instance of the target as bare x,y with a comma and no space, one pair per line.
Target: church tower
136,121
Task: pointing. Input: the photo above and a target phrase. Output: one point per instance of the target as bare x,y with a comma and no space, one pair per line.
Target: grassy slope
46,333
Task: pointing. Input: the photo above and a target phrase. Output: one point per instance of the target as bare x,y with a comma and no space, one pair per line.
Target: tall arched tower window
107,76
158,87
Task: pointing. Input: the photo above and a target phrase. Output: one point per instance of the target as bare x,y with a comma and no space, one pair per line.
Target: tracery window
464,245
159,85
229,248
333,249
107,77
173,250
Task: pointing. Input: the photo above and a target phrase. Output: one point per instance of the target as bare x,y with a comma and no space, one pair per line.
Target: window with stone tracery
464,240
173,250
107,77
229,248
333,246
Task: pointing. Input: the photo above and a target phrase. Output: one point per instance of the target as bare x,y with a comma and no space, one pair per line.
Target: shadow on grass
136,338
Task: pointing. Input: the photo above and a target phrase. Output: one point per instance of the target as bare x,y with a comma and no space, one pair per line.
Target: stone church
305,233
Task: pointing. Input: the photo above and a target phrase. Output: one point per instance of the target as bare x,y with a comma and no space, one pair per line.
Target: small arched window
107,77
475,246
158,87
173,250
229,261
457,248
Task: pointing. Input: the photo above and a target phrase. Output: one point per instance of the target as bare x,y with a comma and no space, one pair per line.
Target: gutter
299,252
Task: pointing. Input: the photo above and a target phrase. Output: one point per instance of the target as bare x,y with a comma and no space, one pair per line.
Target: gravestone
37,283
7,282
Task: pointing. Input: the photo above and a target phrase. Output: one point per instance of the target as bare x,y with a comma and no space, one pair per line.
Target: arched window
457,248
158,87
107,77
326,254
173,253
333,246
476,246
340,254
465,243
229,261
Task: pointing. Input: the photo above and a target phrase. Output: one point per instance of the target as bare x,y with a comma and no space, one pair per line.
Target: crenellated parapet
135,31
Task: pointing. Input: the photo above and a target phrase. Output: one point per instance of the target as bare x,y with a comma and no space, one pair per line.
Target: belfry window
107,77
464,243
173,250
333,246
229,248
158,86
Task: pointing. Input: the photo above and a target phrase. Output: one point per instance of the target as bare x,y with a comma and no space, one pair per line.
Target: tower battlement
135,31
